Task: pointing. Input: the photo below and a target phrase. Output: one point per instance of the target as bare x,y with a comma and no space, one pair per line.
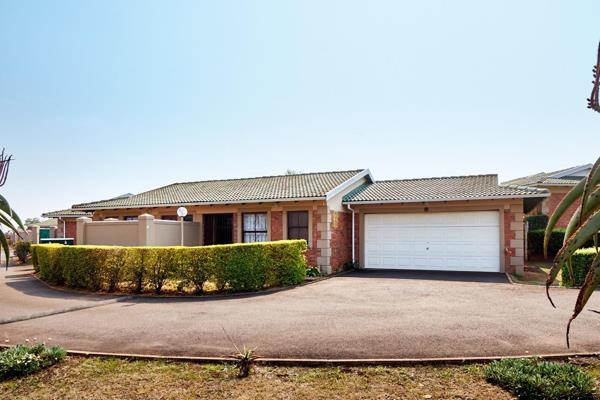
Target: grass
108,378
536,273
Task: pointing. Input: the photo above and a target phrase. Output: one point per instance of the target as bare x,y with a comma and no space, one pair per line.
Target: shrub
22,360
535,379
581,261
536,222
236,267
535,242
22,250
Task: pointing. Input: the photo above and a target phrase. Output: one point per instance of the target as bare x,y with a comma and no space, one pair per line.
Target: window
297,225
254,227
169,217
130,218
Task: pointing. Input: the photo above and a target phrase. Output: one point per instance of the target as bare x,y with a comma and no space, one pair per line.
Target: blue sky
100,98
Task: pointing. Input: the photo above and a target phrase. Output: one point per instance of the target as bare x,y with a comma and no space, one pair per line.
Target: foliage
245,359
583,226
22,250
313,271
536,379
23,360
10,219
31,221
535,242
235,267
536,222
580,263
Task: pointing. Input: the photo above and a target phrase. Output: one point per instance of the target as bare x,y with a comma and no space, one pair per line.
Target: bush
536,222
235,267
535,379
535,242
581,261
22,250
22,360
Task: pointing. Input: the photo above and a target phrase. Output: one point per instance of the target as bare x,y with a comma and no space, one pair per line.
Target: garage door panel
461,241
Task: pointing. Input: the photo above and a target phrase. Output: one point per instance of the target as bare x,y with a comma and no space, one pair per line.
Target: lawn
105,378
536,273
109,378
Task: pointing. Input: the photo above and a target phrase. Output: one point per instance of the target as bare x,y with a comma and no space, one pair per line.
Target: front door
218,228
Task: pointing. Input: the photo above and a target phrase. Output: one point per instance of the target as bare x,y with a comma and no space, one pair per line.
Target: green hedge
536,222
234,267
535,242
582,259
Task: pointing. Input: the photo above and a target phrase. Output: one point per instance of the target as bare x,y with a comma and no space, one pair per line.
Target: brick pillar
514,237
276,225
324,239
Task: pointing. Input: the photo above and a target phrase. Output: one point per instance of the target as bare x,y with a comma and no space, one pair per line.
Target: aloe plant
10,219
583,225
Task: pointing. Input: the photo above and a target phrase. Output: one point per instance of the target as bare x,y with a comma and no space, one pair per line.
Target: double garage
443,241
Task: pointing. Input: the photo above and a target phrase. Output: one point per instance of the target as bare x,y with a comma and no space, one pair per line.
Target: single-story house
461,223
66,226
558,183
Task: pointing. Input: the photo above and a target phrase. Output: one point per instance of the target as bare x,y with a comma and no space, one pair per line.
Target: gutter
447,199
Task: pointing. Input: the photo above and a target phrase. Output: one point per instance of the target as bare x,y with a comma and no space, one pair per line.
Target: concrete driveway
359,315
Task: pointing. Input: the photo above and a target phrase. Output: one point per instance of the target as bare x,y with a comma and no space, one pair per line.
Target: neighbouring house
463,223
558,183
66,226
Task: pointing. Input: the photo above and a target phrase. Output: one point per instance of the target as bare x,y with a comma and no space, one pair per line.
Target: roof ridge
265,176
436,177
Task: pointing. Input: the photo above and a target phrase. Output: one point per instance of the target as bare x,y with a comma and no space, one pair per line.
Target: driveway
359,315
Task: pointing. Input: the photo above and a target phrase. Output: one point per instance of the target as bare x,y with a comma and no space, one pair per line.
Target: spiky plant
584,224
8,217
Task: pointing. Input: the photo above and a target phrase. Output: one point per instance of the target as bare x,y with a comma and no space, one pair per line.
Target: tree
32,221
290,171
584,224
8,217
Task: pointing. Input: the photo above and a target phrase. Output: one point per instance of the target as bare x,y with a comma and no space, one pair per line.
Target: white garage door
455,241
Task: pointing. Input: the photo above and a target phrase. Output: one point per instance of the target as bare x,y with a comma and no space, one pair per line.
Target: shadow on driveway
451,276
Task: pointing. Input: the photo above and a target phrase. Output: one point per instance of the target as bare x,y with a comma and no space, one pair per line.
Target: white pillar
80,235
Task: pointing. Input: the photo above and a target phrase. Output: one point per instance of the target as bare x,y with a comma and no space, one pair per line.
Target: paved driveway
360,315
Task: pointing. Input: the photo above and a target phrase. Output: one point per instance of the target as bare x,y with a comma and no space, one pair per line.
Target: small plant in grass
543,380
22,250
23,360
312,271
245,359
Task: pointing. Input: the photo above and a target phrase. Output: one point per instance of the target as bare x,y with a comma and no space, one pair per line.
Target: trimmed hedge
536,222
22,250
581,260
535,242
233,267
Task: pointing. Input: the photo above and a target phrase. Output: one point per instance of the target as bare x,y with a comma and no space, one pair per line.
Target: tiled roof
558,178
66,213
439,189
267,188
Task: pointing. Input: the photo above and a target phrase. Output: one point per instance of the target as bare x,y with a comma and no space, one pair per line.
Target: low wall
115,233
146,231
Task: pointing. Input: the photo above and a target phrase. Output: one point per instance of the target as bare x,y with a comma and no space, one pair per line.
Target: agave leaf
4,206
582,212
589,228
7,222
5,248
569,199
592,280
589,185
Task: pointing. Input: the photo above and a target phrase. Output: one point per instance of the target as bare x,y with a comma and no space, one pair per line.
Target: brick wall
550,204
276,225
514,243
312,253
341,239
71,228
